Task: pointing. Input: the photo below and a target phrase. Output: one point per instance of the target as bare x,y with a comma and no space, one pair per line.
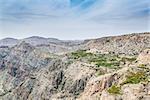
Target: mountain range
107,68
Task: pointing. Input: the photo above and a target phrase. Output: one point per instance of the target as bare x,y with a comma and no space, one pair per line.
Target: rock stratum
109,68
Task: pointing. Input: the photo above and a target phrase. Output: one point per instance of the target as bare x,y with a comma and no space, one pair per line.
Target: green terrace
101,60
80,54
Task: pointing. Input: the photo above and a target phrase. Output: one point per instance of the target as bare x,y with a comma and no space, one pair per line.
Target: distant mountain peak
39,37
35,37
8,42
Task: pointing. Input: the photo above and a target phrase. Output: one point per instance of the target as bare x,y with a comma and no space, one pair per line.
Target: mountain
8,42
52,45
36,40
108,68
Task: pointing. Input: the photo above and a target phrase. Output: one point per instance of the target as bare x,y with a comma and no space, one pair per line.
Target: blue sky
73,19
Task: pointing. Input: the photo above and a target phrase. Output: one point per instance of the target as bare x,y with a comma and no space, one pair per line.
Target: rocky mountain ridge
125,44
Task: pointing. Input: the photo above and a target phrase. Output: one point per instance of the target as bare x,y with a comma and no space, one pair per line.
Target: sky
73,19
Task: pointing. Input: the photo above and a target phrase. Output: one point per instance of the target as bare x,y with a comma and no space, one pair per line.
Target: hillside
125,44
108,68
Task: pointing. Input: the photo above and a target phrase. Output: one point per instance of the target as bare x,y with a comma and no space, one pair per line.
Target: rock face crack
78,86
25,89
57,79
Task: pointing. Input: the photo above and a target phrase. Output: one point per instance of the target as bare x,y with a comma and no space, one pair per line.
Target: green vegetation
80,54
108,60
144,67
114,90
101,60
135,78
124,59
98,59
104,60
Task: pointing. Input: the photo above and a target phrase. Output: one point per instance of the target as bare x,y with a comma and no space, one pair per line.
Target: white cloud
56,18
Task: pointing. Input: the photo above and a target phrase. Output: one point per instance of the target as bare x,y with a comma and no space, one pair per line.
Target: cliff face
90,71
29,72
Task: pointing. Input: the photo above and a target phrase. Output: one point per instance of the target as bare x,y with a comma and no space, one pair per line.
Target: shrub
105,64
135,78
114,89
98,60
124,59
142,66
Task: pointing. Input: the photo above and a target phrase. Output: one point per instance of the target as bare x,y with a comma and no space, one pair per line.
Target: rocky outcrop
144,57
97,86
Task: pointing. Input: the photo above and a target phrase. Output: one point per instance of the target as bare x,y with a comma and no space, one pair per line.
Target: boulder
144,57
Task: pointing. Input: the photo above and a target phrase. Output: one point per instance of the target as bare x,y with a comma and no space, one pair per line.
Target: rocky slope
89,71
126,44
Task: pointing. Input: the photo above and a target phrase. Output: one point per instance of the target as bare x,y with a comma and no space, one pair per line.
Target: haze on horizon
73,19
